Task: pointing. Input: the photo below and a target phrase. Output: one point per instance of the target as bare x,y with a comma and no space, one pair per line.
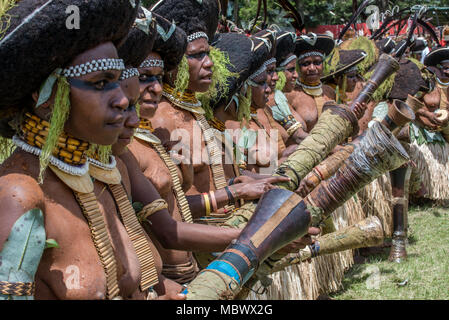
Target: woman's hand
359,109
255,189
300,243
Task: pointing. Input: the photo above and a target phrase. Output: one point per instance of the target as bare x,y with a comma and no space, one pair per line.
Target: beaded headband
92,66
286,61
270,61
129,73
311,53
197,35
255,75
152,63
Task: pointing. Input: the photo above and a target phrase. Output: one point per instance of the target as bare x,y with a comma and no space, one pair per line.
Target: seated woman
181,115
47,194
150,157
248,92
309,95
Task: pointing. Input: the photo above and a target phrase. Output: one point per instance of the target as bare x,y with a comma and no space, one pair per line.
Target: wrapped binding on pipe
335,125
282,216
366,233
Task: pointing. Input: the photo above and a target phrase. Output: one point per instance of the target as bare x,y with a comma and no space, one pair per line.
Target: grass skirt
433,167
307,281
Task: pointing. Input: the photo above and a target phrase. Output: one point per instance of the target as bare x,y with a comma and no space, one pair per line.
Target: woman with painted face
161,178
247,93
182,117
71,101
309,95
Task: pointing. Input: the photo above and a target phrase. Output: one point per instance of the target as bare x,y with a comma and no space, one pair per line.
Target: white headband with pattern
129,73
197,35
286,61
152,63
310,54
255,75
270,61
92,66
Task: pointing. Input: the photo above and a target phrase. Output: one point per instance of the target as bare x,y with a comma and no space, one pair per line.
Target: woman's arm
174,234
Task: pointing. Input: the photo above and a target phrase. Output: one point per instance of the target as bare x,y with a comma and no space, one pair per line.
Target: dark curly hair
285,46
270,35
191,15
172,49
244,60
138,44
30,52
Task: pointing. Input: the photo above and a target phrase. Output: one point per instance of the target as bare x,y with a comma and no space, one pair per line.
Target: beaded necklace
69,153
312,90
146,135
187,100
110,175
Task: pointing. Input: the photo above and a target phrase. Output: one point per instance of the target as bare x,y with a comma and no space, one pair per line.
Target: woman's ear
47,103
45,109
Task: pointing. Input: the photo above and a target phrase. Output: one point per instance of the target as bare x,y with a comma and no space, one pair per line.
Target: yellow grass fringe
307,281
433,166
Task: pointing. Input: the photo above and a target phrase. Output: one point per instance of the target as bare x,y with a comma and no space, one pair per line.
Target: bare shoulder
18,184
138,151
19,193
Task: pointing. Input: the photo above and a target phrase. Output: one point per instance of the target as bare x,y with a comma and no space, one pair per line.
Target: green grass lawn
425,274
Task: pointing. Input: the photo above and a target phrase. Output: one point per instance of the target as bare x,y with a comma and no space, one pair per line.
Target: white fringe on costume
307,281
433,166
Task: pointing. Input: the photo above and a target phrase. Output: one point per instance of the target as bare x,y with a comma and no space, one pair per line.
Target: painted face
97,100
200,65
311,69
272,76
291,75
260,93
131,88
150,84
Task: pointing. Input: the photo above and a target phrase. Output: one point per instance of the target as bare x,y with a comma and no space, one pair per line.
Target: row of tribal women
65,198
60,130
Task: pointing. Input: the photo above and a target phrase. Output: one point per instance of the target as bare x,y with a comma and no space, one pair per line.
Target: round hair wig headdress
385,45
199,19
39,40
313,44
171,42
247,56
285,48
418,45
435,57
349,59
140,39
